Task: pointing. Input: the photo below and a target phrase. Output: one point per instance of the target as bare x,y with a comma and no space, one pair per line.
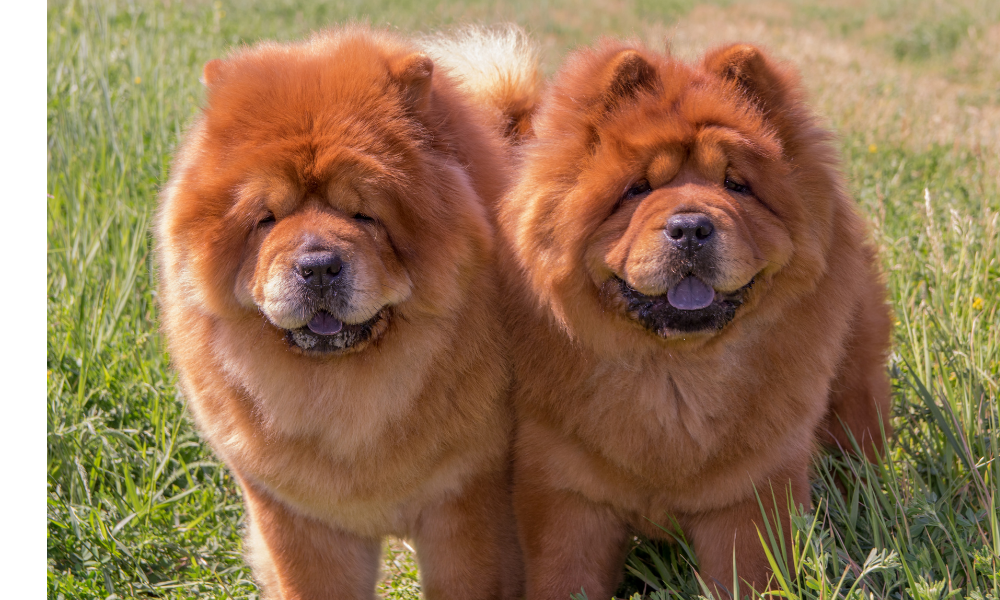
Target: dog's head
673,197
311,194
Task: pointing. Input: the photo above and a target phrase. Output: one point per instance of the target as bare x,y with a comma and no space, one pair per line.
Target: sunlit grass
139,507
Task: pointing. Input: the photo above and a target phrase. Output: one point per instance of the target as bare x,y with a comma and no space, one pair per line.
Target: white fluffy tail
497,67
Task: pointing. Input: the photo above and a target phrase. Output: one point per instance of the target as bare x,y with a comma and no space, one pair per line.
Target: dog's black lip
657,315
350,336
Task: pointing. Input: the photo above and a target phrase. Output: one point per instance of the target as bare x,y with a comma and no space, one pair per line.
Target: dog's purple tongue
690,294
323,323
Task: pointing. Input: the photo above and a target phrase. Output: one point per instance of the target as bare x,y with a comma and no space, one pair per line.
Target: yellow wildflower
977,303
872,148
138,80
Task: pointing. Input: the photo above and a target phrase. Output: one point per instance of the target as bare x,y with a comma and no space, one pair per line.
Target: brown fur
622,422
357,148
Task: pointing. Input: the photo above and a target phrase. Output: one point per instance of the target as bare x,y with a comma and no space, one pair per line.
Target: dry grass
855,79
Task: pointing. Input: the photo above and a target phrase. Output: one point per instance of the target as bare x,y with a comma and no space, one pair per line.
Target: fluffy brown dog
329,299
696,307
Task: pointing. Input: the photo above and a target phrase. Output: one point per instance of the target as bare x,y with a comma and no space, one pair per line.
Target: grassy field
139,507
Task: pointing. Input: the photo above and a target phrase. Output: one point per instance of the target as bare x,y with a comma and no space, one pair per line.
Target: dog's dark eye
739,188
638,189
363,217
267,220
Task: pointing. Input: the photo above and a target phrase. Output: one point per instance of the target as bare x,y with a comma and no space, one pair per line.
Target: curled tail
498,68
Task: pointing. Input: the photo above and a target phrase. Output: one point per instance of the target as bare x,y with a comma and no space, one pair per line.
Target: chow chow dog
694,309
329,298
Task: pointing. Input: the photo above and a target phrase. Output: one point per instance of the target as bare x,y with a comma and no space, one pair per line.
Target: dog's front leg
295,557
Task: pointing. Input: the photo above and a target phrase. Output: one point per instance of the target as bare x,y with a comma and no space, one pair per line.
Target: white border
22,300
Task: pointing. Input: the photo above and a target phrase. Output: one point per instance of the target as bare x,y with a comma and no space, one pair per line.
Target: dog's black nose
690,230
319,269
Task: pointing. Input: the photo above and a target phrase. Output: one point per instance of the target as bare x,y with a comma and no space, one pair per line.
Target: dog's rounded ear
414,73
764,83
212,72
628,73
767,85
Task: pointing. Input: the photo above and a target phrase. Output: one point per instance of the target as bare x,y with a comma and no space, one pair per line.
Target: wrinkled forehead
282,172
333,173
698,126
312,160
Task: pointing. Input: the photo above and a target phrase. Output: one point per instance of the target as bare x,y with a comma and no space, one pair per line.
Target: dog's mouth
689,306
326,334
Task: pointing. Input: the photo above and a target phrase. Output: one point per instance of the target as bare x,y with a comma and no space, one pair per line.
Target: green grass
139,507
